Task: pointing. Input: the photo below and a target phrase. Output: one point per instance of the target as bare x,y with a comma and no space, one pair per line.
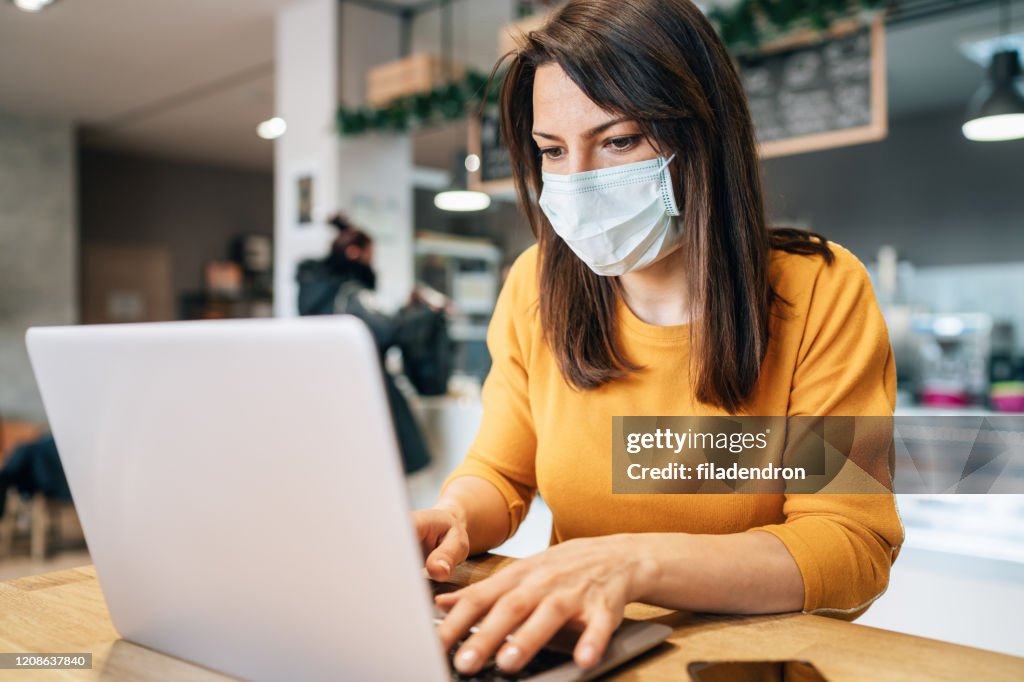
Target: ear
352,252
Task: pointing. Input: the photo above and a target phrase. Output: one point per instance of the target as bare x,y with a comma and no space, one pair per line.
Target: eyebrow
590,133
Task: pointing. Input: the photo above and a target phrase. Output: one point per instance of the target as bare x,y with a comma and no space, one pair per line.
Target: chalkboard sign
824,94
495,172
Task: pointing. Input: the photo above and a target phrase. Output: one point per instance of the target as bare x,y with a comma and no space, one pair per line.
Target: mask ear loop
668,197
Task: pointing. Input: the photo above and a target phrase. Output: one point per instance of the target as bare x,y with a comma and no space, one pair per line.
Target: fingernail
444,564
465,660
508,657
587,655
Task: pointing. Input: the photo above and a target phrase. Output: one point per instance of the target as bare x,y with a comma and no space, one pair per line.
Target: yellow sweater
829,355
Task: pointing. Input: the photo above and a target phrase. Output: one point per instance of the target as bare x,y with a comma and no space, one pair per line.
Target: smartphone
754,671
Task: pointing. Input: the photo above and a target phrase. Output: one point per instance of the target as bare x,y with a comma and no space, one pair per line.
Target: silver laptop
242,497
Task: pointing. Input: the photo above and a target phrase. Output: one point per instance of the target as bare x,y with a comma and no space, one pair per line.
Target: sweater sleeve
843,544
503,452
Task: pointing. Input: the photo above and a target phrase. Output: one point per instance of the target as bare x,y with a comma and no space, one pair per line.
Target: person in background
656,288
348,265
344,283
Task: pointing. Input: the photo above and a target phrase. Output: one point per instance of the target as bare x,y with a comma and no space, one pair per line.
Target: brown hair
348,234
659,63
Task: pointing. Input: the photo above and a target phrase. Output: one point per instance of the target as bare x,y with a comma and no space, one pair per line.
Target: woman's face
574,134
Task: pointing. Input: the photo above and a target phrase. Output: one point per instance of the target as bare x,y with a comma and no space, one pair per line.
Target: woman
655,289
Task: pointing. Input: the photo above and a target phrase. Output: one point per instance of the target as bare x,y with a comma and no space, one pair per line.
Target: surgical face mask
618,219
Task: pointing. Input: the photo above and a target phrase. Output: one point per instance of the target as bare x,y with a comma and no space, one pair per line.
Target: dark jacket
324,291
34,467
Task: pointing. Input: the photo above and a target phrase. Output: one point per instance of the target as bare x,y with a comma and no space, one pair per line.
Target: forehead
559,106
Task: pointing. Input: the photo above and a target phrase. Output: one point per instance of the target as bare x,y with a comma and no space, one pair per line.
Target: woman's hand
585,582
443,539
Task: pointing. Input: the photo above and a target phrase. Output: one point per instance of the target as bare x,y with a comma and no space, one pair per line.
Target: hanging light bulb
996,111
458,196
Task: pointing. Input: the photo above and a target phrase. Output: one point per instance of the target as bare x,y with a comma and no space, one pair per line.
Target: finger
439,567
590,647
548,618
430,525
447,600
481,595
507,614
466,613
452,551
436,531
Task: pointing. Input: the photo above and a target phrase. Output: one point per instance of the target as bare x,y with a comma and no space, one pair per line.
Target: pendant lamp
996,112
458,198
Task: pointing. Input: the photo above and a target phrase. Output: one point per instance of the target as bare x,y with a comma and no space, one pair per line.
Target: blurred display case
238,287
957,356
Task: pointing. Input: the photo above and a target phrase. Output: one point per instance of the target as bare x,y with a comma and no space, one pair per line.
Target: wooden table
64,611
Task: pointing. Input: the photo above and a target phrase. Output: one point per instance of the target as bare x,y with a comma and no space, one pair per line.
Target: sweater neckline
629,320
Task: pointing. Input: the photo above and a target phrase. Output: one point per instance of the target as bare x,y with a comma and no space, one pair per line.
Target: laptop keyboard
545,660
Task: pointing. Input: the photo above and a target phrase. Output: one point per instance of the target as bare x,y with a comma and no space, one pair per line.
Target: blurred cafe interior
180,160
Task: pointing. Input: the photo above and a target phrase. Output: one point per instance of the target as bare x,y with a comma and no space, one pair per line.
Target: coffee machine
952,353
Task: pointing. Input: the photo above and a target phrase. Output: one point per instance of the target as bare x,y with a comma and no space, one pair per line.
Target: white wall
306,93
324,49
375,170
375,190
38,248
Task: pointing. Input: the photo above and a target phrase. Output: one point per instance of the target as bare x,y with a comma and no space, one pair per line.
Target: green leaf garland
447,102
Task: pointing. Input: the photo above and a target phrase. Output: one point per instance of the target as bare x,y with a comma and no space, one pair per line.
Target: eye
551,152
624,143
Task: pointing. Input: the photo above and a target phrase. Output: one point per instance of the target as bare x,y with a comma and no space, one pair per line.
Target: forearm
736,573
483,510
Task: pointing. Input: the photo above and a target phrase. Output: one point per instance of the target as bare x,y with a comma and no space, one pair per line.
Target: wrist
643,568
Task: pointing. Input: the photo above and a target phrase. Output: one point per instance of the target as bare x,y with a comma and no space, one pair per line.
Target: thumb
439,568
449,553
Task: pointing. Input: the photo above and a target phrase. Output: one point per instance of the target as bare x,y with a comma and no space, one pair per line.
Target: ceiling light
272,128
461,200
995,128
31,5
473,163
996,111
